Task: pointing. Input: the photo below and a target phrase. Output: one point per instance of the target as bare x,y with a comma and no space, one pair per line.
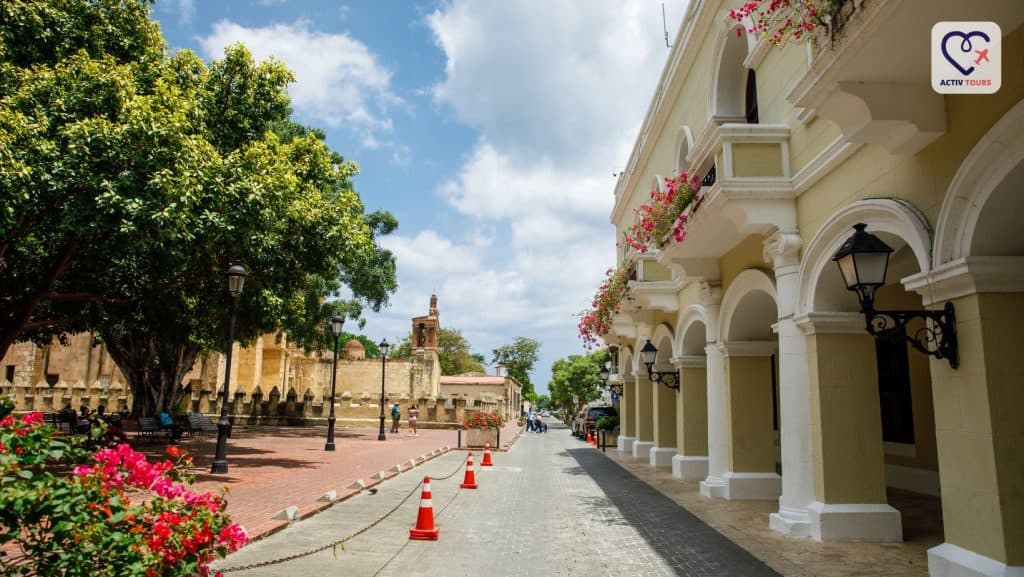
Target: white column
719,436
792,518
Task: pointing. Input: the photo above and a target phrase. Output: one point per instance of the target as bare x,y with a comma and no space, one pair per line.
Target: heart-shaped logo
965,47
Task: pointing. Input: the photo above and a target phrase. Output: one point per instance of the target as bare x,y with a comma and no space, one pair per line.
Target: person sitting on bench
167,423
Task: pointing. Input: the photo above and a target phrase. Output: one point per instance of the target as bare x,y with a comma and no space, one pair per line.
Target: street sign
615,398
575,399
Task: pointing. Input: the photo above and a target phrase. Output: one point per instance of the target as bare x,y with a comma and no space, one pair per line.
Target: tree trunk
154,369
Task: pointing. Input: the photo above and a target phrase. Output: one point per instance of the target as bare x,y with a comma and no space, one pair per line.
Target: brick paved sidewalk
271,468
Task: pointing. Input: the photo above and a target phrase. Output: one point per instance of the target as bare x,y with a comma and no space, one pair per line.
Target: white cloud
558,91
184,9
568,79
339,81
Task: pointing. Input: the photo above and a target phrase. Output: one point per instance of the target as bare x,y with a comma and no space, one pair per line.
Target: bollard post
459,443
498,444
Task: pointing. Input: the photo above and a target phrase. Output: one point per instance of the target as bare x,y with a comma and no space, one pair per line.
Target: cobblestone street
550,506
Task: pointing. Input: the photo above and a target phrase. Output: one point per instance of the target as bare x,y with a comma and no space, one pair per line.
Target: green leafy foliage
579,376
518,358
453,353
133,179
67,511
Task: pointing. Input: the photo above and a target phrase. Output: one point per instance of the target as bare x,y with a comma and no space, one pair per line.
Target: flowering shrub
607,303
663,214
782,21
484,420
113,513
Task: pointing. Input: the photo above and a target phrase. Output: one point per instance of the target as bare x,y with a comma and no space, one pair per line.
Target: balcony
655,287
752,194
872,75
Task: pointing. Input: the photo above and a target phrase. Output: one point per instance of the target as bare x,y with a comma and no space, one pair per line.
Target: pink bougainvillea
661,218
597,320
782,21
65,505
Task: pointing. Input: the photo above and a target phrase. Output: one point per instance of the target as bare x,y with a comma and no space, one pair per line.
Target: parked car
594,413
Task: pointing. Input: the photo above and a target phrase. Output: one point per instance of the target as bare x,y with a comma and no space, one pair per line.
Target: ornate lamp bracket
936,338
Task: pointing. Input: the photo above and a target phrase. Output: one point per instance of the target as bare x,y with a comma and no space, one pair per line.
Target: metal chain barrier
341,542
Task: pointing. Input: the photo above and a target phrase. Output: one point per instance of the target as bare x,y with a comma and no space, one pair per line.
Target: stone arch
728,79
696,329
895,221
684,142
626,367
664,339
746,292
990,162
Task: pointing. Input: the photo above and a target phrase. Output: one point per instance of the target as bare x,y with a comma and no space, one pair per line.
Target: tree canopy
518,358
579,376
454,353
133,179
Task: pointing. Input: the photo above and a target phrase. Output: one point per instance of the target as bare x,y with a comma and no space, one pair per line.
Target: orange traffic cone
487,456
425,529
590,436
470,481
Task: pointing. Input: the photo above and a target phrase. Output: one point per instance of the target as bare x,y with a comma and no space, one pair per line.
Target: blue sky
490,129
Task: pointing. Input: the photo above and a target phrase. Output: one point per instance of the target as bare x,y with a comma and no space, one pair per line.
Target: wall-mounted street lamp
336,324
605,374
863,261
384,347
649,354
236,279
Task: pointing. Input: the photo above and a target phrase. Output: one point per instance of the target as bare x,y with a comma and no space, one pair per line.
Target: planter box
479,437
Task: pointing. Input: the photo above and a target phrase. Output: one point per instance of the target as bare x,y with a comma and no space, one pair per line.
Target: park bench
149,428
200,426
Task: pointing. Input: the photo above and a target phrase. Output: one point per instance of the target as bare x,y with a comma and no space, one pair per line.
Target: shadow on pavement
686,543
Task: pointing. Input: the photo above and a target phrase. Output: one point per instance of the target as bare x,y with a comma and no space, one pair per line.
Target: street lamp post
336,323
863,261
236,278
384,346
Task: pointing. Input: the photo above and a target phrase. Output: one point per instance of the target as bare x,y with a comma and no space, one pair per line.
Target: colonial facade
783,394
272,381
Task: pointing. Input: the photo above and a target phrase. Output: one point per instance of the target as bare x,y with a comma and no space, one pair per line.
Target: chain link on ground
341,542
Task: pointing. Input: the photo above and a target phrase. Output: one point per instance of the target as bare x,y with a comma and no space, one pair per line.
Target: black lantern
863,261
236,279
649,353
605,374
384,348
337,322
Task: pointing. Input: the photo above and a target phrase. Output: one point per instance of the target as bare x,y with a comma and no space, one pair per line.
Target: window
894,390
9,373
750,102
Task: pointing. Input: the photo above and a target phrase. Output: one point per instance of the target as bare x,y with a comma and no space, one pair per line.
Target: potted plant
482,428
609,424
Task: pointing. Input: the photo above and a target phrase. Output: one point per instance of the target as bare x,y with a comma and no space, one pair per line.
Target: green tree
84,110
518,358
454,353
579,376
133,179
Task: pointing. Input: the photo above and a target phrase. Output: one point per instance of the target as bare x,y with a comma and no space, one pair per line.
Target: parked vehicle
577,423
595,413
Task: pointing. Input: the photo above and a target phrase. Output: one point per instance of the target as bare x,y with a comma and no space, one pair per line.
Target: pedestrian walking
413,414
529,421
395,417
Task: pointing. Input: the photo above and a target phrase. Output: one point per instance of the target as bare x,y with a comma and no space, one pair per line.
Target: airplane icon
982,56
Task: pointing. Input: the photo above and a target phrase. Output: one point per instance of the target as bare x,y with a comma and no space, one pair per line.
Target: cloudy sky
491,130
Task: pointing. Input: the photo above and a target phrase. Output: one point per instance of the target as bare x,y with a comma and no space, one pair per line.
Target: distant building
272,380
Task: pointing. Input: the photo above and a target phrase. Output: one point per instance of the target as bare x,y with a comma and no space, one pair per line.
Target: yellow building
782,393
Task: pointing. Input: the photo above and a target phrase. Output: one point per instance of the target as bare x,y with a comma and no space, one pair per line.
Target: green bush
607,423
